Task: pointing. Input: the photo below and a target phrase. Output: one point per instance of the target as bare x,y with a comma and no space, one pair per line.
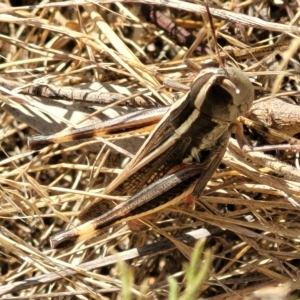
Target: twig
176,32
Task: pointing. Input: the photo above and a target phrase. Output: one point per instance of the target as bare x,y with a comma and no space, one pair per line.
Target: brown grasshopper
179,156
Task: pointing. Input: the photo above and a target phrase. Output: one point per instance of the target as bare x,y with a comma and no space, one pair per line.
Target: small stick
70,93
276,114
176,32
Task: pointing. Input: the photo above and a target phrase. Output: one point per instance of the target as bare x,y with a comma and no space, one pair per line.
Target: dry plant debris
122,52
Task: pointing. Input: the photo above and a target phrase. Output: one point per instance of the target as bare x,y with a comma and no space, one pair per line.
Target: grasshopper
177,159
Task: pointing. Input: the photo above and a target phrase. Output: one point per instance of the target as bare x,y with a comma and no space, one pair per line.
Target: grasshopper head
223,94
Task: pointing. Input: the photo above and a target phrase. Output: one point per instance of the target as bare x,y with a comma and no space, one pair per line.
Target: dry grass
252,205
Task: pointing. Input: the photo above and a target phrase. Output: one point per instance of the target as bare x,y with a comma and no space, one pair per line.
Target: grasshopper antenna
213,34
237,90
207,18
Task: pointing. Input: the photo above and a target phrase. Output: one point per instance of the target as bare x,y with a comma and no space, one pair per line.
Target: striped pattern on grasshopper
177,159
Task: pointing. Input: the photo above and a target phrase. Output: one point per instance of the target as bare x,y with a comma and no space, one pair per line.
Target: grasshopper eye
218,97
218,102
